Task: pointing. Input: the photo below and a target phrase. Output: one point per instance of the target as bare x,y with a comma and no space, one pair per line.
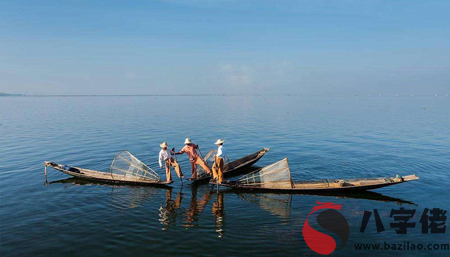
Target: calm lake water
323,137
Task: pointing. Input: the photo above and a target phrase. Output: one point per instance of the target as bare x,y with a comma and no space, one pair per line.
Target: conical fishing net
277,175
127,167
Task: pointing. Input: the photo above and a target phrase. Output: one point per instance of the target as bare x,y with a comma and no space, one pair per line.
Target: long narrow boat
125,169
232,168
277,177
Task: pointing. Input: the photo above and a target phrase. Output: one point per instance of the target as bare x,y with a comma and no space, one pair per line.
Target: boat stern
410,178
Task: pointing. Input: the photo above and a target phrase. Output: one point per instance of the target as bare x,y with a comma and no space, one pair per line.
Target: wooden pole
45,172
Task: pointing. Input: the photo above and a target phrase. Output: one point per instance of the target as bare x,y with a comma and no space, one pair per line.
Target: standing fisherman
190,149
165,157
219,162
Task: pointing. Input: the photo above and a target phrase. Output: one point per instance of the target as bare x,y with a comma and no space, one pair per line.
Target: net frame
262,178
137,170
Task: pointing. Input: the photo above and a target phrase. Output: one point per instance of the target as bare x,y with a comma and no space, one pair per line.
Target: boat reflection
276,204
171,211
366,195
122,196
129,198
280,204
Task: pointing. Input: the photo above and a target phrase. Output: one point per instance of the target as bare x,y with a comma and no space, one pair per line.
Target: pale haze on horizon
225,47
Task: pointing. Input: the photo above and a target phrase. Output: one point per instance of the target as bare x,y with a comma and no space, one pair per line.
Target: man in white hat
220,159
165,157
190,149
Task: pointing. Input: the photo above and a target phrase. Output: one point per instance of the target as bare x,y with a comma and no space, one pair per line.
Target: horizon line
211,94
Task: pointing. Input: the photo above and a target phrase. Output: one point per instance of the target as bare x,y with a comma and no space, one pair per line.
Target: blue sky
231,46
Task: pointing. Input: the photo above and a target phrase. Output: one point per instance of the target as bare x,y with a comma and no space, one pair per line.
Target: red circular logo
331,220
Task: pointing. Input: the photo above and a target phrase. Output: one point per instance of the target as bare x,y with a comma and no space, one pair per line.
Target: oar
201,155
45,174
217,179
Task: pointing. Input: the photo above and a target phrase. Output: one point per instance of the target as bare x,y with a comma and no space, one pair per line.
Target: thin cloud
237,75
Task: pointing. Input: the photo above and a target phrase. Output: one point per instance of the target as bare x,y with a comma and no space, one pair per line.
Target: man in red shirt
190,149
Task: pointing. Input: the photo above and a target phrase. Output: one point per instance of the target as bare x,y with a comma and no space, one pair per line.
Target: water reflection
366,195
173,213
169,211
196,207
129,198
122,196
277,204
219,214
280,204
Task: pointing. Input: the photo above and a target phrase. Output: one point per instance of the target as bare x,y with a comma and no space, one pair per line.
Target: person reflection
168,213
195,208
219,214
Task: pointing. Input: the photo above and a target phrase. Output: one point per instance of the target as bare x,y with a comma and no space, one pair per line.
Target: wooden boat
125,169
277,177
232,168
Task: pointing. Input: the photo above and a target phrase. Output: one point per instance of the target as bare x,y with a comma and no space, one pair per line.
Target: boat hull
311,188
104,177
237,165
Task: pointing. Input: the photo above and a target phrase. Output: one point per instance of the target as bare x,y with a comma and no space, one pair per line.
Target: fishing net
210,159
277,175
127,167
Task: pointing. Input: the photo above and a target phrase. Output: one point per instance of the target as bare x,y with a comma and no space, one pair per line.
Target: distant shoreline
6,94
230,95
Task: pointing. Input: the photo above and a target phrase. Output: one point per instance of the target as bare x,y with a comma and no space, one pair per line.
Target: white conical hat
219,141
163,144
187,141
